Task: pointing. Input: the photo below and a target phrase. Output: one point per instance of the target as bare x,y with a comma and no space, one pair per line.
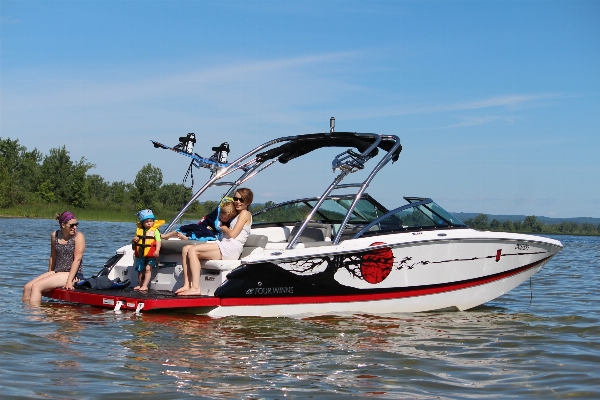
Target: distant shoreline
191,219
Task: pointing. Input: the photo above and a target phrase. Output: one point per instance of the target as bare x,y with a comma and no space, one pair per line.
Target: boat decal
380,294
371,266
375,265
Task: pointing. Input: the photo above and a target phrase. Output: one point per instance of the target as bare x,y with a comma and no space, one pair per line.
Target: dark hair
246,194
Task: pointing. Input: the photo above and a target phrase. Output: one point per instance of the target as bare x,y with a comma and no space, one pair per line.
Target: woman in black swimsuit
64,267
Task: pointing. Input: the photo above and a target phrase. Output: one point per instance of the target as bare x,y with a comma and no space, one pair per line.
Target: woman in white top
228,248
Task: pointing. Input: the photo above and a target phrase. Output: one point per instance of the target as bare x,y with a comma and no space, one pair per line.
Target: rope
530,293
190,173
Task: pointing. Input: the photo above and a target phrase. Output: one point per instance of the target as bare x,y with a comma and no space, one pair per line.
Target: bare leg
167,236
184,264
205,251
147,277
28,285
140,279
49,281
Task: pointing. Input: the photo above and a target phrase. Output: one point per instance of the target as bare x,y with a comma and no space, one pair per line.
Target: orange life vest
146,245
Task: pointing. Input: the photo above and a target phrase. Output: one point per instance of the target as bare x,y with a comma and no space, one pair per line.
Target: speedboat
339,252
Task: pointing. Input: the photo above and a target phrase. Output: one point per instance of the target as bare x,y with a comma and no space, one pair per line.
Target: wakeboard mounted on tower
214,163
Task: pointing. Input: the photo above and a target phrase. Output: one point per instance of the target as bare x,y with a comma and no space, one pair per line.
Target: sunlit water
544,343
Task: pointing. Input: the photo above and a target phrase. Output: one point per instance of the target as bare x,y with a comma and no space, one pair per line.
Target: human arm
134,242
52,260
77,257
243,219
157,239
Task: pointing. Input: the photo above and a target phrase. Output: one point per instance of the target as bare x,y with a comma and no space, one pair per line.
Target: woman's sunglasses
238,199
75,225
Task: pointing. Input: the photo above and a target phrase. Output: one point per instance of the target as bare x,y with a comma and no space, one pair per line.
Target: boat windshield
419,214
368,217
332,210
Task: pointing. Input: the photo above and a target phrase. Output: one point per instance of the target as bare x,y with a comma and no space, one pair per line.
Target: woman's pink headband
65,217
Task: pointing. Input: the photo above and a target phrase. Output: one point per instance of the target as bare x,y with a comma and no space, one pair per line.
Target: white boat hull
461,299
461,269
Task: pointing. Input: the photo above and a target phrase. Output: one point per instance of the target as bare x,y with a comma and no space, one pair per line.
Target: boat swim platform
129,299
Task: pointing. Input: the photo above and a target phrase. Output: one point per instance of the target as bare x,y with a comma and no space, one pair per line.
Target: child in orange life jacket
146,246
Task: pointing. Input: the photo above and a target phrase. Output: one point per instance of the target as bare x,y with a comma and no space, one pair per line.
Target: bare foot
142,288
182,289
189,292
136,288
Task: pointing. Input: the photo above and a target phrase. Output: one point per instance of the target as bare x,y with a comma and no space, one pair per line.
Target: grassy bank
49,211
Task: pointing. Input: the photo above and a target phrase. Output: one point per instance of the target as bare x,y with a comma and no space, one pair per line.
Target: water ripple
541,341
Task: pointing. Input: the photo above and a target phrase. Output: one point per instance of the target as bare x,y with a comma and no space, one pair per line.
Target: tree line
28,177
531,225
31,178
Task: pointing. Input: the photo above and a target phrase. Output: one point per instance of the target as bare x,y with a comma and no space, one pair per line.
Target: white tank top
231,248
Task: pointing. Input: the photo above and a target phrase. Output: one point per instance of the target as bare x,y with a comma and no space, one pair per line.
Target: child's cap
144,215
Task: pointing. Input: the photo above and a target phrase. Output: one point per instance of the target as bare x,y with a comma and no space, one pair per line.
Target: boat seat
351,230
252,243
314,232
175,246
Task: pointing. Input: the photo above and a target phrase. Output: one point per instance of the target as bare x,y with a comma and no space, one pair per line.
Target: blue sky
496,102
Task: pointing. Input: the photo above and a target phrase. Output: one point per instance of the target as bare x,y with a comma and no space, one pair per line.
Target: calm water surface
539,343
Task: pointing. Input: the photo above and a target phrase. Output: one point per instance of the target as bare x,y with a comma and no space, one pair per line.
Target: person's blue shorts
140,263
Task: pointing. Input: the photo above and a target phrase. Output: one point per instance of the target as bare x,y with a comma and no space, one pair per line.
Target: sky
497,103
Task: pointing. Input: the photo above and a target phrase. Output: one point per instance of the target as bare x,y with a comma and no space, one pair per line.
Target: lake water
539,343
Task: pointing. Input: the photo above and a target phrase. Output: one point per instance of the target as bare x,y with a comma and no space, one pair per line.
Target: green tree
518,226
588,229
120,192
147,184
495,225
480,222
55,172
45,192
173,196
79,191
65,180
258,207
531,224
98,188
507,226
567,227
19,173
207,206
